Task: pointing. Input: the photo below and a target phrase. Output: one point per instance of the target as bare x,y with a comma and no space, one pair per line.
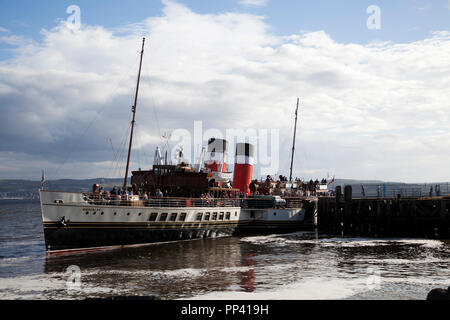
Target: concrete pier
384,217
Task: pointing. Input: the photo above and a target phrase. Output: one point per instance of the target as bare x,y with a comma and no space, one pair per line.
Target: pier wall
384,217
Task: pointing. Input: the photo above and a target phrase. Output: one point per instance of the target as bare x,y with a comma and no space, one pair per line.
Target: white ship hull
71,221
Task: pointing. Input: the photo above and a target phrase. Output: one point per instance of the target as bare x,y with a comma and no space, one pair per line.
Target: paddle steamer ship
173,203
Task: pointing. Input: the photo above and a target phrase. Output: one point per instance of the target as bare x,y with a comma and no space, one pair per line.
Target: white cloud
378,111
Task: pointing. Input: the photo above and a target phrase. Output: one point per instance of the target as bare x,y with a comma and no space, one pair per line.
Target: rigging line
71,150
120,149
79,139
122,161
115,158
122,152
91,123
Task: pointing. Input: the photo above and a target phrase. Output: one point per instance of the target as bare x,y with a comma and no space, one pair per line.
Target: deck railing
395,190
252,203
161,202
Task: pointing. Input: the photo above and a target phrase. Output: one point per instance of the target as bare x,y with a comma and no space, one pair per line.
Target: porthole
102,213
128,214
115,213
139,214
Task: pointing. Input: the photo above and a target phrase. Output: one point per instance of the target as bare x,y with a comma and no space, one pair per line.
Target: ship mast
293,144
133,110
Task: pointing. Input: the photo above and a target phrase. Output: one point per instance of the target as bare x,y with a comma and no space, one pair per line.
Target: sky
372,78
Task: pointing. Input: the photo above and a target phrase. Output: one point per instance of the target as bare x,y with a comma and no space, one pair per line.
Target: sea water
302,265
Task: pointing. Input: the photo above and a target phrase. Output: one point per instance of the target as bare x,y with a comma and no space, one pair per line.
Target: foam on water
12,261
307,289
48,286
285,239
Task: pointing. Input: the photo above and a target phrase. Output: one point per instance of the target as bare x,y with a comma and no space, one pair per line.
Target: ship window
153,216
182,216
274,213
214,216
173,216
221,216
199,216
115,213
228,216
94,213
163,216
102,213
207,215
140,214
235,213
128,214
87,212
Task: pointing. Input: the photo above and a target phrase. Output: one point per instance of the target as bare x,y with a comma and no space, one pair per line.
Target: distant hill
29,189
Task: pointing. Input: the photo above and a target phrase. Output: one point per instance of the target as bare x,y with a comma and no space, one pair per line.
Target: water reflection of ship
248,277
169,270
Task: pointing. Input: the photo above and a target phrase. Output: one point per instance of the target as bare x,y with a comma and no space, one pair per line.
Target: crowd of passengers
282,187
269,186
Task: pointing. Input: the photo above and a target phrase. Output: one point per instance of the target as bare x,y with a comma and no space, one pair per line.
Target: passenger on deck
159,193
113,192
437,189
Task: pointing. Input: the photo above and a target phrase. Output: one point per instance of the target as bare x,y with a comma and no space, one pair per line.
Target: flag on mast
332,181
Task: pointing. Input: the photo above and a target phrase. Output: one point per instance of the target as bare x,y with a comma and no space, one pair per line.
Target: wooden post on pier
348,212
338,211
